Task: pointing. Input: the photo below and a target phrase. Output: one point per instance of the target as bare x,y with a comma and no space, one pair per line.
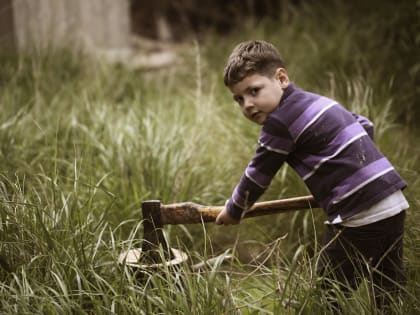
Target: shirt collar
287,91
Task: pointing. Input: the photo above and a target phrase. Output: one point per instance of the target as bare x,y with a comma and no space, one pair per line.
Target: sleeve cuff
233,210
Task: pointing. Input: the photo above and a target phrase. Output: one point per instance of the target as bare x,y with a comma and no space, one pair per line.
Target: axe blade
153,236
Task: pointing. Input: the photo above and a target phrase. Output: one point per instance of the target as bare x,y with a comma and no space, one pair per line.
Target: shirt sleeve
366,124
270,155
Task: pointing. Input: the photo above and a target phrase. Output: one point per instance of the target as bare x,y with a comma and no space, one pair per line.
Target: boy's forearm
245,194
255,180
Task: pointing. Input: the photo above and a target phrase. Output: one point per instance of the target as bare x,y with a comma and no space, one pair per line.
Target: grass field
83,143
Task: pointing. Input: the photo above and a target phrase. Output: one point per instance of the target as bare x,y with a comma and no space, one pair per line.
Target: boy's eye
239,99
254,91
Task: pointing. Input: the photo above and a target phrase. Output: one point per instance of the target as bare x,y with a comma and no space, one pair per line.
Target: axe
156,215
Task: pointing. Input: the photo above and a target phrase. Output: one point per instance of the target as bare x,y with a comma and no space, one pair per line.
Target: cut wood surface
190,213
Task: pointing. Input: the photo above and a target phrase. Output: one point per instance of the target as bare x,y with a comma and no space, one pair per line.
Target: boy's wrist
233,210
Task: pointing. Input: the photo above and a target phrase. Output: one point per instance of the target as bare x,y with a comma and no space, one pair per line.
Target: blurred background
141,33
107,103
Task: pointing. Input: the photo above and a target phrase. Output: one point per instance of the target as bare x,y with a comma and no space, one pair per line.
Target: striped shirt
330,148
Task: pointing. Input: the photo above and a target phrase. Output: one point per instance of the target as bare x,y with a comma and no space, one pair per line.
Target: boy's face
259,95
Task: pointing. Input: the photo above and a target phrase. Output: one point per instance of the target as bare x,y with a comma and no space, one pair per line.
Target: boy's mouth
255,115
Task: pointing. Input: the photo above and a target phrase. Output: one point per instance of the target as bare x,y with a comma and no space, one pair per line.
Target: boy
334,153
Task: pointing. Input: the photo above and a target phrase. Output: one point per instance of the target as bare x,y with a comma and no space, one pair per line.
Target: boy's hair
255,56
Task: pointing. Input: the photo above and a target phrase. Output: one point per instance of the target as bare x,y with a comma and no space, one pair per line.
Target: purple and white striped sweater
330,148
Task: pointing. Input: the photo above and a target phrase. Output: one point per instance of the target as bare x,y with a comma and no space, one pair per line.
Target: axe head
153,237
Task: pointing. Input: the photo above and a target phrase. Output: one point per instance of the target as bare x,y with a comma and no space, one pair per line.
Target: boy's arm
253,183
366,124
275,144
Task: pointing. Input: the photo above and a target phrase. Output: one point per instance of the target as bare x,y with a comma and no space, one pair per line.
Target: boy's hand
224,218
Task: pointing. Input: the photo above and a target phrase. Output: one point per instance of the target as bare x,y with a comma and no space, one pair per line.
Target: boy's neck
286,92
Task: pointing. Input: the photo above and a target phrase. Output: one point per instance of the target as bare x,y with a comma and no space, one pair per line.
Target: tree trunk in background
7,39
91,24
108,24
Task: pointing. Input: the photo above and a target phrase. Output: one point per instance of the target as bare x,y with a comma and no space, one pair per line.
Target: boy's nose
248,103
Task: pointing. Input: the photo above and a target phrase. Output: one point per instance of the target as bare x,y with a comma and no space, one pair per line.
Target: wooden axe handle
189,212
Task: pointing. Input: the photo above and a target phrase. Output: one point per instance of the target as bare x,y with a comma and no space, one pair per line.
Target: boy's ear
281,75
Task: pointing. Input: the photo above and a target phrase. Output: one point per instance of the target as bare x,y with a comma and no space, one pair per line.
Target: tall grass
83,143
